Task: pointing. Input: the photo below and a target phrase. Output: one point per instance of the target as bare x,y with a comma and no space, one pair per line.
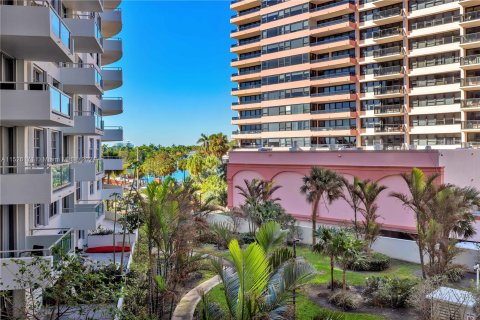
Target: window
78,191
55,142
98,149
98,185
91,188
37,214
79,106
91,148
80,147
37,145
53,209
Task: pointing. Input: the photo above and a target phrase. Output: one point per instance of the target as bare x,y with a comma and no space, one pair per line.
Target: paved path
186,307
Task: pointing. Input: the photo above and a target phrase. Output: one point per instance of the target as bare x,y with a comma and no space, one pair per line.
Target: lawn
397,269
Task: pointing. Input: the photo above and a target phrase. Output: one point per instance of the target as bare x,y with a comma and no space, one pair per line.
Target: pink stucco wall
288,168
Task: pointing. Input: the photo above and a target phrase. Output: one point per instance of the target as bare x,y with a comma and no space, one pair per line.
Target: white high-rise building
54,73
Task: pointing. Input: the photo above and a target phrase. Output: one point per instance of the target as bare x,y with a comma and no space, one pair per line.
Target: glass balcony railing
389,90
388,33
471,124
331,23
331,5
435,22
333,128
245,12
99,165
60,29
387,52
386,109
389,127
60,102
387,13
469,60
447,141
387,71
332,93
471,103
322,111
61,175
471,82
471,37
471,16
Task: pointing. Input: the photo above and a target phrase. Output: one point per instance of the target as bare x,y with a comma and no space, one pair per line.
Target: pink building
286,168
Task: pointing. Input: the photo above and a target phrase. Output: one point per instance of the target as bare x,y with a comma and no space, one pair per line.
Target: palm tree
450,218
368,192
256,191
258,286
329,245
349,249
351,197
422,190
203,141
320,184
218,145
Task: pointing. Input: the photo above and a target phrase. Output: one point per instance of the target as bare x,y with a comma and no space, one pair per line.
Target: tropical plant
329,246
421,191
259,285
368,192
351,197
350,248
320,184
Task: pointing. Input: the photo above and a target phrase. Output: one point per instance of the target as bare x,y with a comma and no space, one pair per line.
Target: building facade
376,74
54,72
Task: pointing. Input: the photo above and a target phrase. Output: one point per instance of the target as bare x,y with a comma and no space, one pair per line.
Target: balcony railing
59,101
472,37
247,117
471,124
387,52
60,29
332,110
246,132
470,103
249,26
389,127
435,22
388,71
437,141
244,42
389,90
435,122
469,60
331,93
60,247
386,109
98,76
471,16
252,86
331,5
98,166
332,22
242,13
247,56
471,81
379,15
333,75
387,33
333,128
61,175
334,39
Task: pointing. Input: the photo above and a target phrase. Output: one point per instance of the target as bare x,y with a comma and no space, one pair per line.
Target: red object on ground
107,249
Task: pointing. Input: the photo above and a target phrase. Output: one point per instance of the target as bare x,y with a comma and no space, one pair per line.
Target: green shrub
207,237
389,292
247,238
373,262
329,315
345,300
455,273
337,284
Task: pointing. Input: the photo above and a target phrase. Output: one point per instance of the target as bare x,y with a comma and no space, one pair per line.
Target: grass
397,269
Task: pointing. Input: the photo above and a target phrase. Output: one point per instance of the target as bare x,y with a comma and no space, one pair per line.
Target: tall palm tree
349,249
256,191
422,190
203,141
218,145
368,192
351,197
321,184
328,245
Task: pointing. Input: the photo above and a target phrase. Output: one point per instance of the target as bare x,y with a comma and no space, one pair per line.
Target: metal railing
385,71
332,22
387,33
389,127
61,175
435,22
470,81
434,122
472,37
246,131
332,110
437,141
471,124
389,90
331,93
383,14
245,12
387,52
386,109
247,117
331,5
333,39
470,103
334,128
471,16
469,60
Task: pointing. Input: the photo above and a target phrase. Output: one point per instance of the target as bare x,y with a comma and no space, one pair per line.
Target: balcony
112,134
88,169
442,141
112,106
82,216
86,5
34,104
43,249
331,9
112,50
389,128
470,62
389,72
396,90
470,83
85,32
85,123
388,35
111,23
81,78
386,54
472,104
113,163
471,125
388,16
470,41
111,192
247,132
112,77
38,184
389,110
334,128
470,19
35,32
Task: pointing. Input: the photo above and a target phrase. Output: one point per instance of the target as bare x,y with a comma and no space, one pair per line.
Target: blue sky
176,73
